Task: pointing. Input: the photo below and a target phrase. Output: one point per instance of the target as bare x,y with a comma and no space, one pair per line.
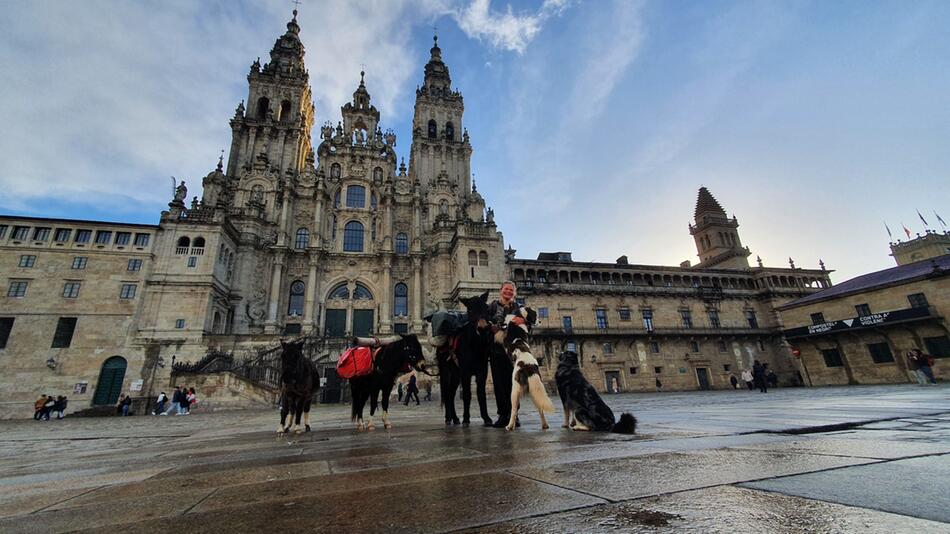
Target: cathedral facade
336,237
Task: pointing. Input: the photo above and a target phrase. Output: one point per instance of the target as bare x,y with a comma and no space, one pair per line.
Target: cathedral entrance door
362,322
335,325
702,374
110,381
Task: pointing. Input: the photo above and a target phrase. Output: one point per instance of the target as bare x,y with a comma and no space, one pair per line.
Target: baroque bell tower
716,235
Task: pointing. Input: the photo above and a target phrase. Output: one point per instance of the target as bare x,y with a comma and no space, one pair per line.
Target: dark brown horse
468,359
299,381
392,359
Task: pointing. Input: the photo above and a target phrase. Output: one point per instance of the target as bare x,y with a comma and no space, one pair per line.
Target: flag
906,231
889,234
922,218
939,219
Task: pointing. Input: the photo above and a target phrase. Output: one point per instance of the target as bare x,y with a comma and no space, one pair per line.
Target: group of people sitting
46,405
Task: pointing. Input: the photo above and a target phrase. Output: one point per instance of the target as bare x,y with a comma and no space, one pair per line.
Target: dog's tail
538,395
626,425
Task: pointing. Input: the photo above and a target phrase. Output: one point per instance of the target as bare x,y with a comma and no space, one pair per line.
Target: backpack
354,362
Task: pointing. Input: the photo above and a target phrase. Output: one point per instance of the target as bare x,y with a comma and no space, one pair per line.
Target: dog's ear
531,316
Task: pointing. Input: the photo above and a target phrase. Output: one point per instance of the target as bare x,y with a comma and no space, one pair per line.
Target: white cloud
505,30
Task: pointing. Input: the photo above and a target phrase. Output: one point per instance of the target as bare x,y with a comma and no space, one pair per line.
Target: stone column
250,151
270,326
284,217
417,295
308,317
318,217
385,310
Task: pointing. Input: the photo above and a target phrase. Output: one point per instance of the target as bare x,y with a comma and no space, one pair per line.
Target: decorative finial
221,160
821,264
791,262
474,189
758,259
296,4
362,72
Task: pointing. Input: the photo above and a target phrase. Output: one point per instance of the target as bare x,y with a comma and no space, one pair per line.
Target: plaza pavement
858,459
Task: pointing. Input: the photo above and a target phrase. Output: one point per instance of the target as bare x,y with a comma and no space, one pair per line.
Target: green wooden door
362,322
335,325
110,381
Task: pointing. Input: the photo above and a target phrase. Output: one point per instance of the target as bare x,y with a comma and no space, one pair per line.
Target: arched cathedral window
401,300
263,106
303,239
361,292
402,243
353,237
284,111
449,131
295,304
483,258
472,258
433,129
340,292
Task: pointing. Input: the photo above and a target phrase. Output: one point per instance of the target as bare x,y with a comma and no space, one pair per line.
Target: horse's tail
626,425
539,395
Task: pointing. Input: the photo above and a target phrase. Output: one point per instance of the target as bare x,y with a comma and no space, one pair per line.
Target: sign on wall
855,323
136,385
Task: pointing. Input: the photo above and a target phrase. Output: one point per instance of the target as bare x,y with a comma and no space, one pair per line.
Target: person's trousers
501,371
750,385
409,395
160,407
174,408
928,373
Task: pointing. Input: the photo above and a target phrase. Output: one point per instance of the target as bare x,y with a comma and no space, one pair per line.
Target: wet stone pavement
867,458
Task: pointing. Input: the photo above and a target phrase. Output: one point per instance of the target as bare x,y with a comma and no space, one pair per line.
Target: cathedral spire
706,204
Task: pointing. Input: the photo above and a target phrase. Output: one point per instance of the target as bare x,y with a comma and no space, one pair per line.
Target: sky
594,123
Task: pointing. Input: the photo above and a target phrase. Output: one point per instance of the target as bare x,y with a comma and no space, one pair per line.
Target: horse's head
477,308
412,349
291,353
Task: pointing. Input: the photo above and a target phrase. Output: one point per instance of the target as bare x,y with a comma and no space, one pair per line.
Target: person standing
399,391
734,381
747,378
38,407
428,388
925,367
160,403
176,402
125,404
758,375
60,406
501,366
412,389
48,407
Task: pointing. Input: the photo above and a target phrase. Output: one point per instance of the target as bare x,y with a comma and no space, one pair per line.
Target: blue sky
594,122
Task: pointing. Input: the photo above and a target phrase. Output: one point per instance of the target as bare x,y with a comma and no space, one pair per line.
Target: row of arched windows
476,259
336,171
263,106
434,130
726,239
355,197
295,306
353,233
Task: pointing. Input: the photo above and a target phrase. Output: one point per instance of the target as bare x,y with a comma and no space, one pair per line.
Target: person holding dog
501,365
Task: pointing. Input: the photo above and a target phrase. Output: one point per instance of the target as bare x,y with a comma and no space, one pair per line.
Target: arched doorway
110,381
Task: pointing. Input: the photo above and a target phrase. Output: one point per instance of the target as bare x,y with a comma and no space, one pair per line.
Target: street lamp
51,362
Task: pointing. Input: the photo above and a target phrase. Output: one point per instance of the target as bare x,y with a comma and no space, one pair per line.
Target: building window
127,291
863,310
633,370
41,234
938,347
687,318
402,243
401,300
817,318
123,238
726,367
832,358
303,239
655,347
647,319
694,346
472,258
567,323
20,233
722,346
103,237
714,318
355,196
192,261
62,235
353,237
141,240
6,326
27,261
624,314
179,323
361,292
543,313
449,131
71,290
3,231
571,346
432,129
608,348
295,305
600,315
83,236
917,300
135,265
17,289
880,352
658,370
750,317
64,333
79,262
340,292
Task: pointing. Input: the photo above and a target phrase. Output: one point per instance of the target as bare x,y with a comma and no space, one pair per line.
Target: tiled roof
895,275
706,203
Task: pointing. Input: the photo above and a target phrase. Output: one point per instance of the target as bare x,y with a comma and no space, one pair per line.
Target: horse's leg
283,416
455,380
298,412
480,378
359,400
386,393
445,383
306,415
373,401
466,397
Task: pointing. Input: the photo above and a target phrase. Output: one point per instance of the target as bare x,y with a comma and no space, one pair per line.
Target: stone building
340,238
859,331
923,247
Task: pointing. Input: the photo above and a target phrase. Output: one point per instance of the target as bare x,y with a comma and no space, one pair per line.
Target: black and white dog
526,378
583,407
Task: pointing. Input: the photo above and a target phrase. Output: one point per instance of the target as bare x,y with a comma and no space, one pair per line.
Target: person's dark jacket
176,396
497,312
412,388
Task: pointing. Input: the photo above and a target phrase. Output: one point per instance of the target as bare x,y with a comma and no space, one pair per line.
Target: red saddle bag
356,361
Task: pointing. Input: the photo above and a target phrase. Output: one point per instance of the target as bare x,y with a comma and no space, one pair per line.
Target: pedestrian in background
176,402
125,404
734,381
758,376
48,407
59,408
412,389
747,378
38,407
924,367
160,403
428,388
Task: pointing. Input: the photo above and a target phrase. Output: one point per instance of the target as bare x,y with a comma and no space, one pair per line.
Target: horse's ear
484,297
282,344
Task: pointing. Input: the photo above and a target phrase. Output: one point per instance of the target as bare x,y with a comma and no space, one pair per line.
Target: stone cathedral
336,236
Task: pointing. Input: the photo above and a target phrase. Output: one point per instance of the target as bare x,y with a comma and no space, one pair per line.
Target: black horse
469,358
387,364
299,380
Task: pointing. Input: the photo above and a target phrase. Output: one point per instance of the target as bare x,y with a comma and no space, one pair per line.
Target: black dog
583,407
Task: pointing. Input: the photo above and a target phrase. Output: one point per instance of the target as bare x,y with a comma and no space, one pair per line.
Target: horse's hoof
465,424
456,421
544,427
487,422
307,428
297,430
565,426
